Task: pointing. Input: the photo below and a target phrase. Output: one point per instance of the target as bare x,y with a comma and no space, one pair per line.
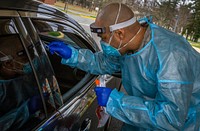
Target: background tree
180,16
196,21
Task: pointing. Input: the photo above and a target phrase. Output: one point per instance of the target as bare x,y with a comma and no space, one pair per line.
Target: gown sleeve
94,63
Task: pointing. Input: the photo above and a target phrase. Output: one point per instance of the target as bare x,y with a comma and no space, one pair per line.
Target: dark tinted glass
20,101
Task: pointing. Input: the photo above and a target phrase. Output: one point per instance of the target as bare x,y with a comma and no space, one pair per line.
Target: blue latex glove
60,48
34,104
103,94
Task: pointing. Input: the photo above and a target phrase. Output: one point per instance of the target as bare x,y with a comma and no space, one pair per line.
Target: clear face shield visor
97,31
9,58
6,58
101,30
17,65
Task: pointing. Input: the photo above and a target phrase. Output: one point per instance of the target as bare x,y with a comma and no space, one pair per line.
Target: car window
53,31
60,31
45,73
20,100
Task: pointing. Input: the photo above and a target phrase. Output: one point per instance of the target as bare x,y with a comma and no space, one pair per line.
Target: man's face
105,36
13,67
109,37
10,69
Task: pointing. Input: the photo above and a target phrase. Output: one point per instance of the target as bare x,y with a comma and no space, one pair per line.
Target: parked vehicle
37,92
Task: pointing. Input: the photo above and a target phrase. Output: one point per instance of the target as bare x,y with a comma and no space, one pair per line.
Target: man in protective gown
160,71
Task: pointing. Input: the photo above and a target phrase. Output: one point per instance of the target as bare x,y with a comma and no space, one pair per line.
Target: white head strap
5,57
122,24
119,10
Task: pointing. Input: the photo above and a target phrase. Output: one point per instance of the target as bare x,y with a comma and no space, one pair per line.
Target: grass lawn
76,8
195,44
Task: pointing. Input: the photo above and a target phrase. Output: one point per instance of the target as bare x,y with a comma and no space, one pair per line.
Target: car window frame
71,101
76,88
62,20
24,35
25,14
21,31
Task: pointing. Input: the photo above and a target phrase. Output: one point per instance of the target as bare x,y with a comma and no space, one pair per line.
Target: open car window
69,79
53,30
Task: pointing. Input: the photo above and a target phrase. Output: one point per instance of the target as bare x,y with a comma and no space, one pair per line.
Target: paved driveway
197,49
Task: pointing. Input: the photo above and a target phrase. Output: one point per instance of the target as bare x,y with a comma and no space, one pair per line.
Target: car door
26,79
76,86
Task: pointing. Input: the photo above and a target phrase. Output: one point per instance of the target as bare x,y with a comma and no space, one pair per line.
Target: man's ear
120,34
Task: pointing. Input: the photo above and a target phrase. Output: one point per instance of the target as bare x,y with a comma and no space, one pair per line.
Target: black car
37,92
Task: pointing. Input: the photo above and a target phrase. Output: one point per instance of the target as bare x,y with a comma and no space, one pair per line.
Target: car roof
35,6
31,5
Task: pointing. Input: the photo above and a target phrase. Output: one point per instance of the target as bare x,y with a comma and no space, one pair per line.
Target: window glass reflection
20,100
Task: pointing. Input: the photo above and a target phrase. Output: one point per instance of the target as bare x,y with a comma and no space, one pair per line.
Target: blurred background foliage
180,16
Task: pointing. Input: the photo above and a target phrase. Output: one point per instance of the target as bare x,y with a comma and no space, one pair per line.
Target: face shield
97,31
5,58
16,65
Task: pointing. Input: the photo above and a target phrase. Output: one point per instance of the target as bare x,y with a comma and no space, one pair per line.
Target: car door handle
86,124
